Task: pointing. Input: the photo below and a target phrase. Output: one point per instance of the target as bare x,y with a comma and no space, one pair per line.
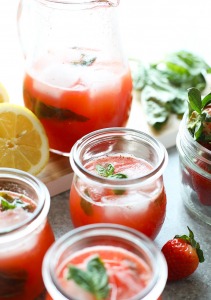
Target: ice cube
59,77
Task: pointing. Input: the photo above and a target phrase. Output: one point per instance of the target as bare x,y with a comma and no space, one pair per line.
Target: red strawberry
183,254
202,184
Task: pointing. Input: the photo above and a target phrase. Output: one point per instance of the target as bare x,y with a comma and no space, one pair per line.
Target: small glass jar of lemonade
25,234
104,261
195,173
77,77
118,179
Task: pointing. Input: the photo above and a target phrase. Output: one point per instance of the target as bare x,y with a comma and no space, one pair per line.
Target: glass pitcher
77,78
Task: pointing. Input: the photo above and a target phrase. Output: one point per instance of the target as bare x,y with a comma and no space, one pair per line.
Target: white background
149,29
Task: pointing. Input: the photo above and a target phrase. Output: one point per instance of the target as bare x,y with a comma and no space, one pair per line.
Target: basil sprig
108,171
7,202
198,115
94,279
164,84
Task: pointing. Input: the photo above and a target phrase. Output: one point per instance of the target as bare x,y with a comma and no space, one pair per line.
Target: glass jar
119,248
77,76
25,236
137,199
195,170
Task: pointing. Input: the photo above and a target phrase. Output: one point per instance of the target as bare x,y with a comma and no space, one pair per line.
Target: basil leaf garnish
94,279
7,202
108,171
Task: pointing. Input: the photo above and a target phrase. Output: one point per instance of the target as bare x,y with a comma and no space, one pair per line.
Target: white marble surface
195,287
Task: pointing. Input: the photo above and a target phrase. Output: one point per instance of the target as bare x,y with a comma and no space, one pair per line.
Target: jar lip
106,230
26,227
82,172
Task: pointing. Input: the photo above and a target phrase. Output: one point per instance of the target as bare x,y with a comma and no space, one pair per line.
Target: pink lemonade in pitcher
73,98
142,207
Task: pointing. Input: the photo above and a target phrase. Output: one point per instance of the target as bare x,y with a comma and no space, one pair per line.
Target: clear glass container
77,77
195,170
104,240
137,201
24,236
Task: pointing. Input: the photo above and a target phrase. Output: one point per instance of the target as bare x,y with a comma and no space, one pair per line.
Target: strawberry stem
191,240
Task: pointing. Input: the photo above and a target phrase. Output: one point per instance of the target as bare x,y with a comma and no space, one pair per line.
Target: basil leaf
105,171
194,97
6,196
87,207
139,74
85,60
109,172
50,112
7,202
164,86
119,192
42,110
206,100
198,130
93,280
5,205
118,176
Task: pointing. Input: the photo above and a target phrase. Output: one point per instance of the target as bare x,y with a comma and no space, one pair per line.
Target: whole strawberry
183,255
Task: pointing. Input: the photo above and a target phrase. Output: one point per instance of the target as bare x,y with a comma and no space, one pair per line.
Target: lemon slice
23,141
4,97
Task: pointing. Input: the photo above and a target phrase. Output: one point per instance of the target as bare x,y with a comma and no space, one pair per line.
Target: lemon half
23,141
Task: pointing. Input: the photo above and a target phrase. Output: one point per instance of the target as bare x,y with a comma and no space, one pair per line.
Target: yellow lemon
4,97
23,141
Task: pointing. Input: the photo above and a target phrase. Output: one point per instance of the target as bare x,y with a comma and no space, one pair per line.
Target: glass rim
81,4
105,230
26,227
82,172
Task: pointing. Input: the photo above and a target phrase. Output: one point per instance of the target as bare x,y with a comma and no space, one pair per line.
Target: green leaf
5,205
105,171
42,110
155,105
198,130
50,112
86,206
178,106
118,176
94,279
139,74
194,97
108,171
7,202
85,60
191,240
206,100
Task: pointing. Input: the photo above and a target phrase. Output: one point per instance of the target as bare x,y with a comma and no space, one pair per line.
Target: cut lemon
23,141
4,97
